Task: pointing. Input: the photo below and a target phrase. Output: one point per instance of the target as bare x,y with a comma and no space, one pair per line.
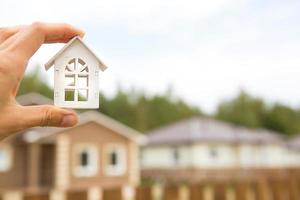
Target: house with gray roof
204,143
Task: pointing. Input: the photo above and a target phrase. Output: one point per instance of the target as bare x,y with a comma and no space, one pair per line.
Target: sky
207,51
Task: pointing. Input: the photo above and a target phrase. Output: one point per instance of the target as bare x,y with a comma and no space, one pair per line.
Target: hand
17,45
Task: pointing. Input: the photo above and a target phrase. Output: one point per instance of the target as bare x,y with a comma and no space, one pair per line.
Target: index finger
27,41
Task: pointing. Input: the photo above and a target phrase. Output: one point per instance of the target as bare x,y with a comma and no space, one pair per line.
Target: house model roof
49,64
202,129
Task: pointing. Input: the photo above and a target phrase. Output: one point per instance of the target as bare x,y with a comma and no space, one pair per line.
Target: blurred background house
199,145
206,143
98,153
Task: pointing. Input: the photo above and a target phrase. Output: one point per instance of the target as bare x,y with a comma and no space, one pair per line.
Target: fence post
280,190
77,195
143,193
57,195
241,190
113,194
184,192
157,192
36,196
220,191
128,192
262,190
294,188
94,193
12,195
197,192
171,193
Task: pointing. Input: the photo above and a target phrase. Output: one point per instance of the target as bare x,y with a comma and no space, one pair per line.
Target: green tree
252,112
34,83
282,119
242,110
119,108
145,113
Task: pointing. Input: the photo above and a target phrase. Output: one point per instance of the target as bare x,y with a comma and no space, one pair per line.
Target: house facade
294,151
98,153
205,144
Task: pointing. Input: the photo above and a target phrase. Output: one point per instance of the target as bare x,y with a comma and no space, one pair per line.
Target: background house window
86,160
116,160
213,152
175,155
5,159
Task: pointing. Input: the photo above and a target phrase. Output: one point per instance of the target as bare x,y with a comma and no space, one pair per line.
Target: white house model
76,76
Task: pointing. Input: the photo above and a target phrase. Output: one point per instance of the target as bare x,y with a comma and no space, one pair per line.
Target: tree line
143,112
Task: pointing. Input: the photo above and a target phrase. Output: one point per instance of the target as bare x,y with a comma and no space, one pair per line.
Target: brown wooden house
98,153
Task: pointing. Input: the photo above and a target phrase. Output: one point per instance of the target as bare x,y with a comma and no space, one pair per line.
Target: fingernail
69,120
68,111
82,32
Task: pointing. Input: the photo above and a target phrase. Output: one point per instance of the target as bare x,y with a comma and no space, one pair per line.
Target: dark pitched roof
33,99
38,133
200,129
294,143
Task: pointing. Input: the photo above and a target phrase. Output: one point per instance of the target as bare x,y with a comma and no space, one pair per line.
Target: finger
47,115
27,41
7,32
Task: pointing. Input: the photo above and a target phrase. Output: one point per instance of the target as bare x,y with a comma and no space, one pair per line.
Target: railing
269,185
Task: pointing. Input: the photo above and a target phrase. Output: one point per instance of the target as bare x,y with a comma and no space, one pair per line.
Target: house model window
76,76
116,160
86,160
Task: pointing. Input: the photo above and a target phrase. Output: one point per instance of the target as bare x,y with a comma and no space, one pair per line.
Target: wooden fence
278,186
239,190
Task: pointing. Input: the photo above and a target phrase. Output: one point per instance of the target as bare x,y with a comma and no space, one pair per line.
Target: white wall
218,156
198,155
157,156
163,156
248,155
214,155
263,155
293,157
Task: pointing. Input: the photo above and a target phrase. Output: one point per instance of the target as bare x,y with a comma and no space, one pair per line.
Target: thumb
47,115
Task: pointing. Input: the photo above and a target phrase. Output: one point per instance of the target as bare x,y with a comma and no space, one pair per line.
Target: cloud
137,15
207,50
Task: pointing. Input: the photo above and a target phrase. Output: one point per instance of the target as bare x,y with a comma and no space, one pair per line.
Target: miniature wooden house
76,76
